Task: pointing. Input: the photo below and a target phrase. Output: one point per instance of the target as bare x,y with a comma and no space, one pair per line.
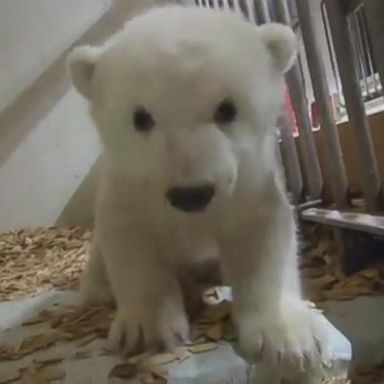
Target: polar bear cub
185,101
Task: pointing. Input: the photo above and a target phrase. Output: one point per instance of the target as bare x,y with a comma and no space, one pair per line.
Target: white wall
34,33
45,169
42,174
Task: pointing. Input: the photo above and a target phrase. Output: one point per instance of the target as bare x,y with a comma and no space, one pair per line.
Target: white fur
180,63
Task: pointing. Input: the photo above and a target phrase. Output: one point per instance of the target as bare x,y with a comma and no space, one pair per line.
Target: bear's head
181,96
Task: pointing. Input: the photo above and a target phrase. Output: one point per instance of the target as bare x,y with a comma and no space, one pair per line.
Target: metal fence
370,84
355,32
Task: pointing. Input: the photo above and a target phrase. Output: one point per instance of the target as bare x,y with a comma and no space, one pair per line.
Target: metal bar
355,107
349,220
324,17
352,5
306,140
322,97
211,4
366,43
215,4
226,4
374,11
262,11
359,50
364,49
236,6
309,204
250,5
290,159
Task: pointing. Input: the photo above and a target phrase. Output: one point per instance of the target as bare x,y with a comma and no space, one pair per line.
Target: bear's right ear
282,44
81,65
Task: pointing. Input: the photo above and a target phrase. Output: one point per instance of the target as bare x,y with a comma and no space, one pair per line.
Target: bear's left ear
282,44
81,65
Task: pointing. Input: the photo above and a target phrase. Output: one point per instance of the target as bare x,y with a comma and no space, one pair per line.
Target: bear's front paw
143,327
295,336
94,292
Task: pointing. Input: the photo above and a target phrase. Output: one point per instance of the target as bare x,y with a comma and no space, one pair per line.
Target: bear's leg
95,287
150,310
273,322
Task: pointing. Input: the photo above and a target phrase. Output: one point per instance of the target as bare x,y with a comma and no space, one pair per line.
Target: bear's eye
143,120
225,113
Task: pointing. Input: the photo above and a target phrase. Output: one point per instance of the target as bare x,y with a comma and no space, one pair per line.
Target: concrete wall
47,142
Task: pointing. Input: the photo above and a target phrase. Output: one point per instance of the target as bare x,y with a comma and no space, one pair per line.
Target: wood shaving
211,296
41,318
68,324
202,348
322,274
41,375
161,359
214,313
156,370
52,373
36,261
146,378
138,358
215,332
81,355
182,354
124,371
9,376
48,360
88,339
30,345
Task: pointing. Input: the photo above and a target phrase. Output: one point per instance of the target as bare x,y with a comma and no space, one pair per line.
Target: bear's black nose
192,198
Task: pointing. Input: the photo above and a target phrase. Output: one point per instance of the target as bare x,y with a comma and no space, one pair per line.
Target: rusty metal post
355,107
290,160
322,97
374,10
306,140
262,11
